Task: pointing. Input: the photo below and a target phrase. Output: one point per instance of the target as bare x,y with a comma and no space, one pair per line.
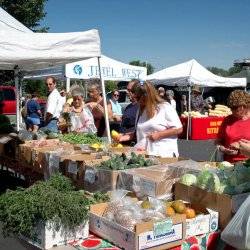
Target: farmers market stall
156,202
192,73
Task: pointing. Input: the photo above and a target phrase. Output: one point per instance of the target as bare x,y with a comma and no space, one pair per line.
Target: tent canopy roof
9,23
192,73
30,51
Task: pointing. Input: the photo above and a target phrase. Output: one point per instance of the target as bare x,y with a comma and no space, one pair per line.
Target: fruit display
121,162
224,179
115,135
220,111
128,212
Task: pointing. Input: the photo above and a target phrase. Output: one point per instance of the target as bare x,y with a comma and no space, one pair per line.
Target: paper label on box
90,174
198,225
162,227
72,167
148,239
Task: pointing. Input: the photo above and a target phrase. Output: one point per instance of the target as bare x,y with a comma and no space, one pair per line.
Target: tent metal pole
105,102
20,97
189,110
67,84
16,70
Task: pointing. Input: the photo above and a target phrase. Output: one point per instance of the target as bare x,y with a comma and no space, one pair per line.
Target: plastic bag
237,232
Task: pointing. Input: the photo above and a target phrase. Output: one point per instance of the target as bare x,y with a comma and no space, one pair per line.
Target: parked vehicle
123,98
7,100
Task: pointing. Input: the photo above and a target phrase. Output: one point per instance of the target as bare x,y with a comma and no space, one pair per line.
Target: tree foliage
28,12
223,72
150,68
110,86
32,86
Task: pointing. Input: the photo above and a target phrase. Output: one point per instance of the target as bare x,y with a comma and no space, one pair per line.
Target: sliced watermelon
91,243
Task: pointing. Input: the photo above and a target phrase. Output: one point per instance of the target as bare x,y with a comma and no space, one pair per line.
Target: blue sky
161,32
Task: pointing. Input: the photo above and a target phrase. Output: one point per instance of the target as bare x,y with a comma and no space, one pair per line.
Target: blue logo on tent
77,69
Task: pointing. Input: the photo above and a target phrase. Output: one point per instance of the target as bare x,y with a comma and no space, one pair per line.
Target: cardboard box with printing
156,181
155,235
225,205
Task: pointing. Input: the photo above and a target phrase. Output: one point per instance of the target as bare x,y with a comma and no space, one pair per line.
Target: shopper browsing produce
80,117
96,105
129,114
235,127
158,124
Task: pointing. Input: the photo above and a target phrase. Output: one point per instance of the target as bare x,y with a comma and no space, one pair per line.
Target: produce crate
47,238
226,205
146,235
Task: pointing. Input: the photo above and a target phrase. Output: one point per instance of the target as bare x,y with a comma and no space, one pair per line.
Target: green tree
218,71
150,68
38,86
29,13
110,86
233,70
223,72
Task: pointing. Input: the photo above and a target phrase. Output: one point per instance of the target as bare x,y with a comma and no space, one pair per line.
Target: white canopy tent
22,50
192,73
86,69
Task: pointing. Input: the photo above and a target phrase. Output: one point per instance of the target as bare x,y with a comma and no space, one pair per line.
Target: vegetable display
121,162
225,179
54,201
79,138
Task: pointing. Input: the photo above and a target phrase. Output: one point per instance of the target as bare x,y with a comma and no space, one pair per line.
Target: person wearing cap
170,98
197,102
81,118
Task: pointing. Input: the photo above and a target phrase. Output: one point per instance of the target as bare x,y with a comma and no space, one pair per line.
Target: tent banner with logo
111,70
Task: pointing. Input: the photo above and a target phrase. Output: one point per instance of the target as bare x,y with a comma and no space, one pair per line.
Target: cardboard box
47,238
75,167
100,179
156,181
203,223
226,205
147,235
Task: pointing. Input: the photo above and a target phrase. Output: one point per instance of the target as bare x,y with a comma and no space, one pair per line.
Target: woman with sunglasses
115,106
235,127
158,124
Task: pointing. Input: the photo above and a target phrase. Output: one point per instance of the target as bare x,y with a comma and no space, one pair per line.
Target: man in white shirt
170,98
53,106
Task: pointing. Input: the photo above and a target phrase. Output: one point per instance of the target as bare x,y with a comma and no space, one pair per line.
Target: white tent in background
22,50
192,73
86,69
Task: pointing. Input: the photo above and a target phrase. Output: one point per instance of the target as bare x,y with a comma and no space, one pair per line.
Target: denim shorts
33,121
